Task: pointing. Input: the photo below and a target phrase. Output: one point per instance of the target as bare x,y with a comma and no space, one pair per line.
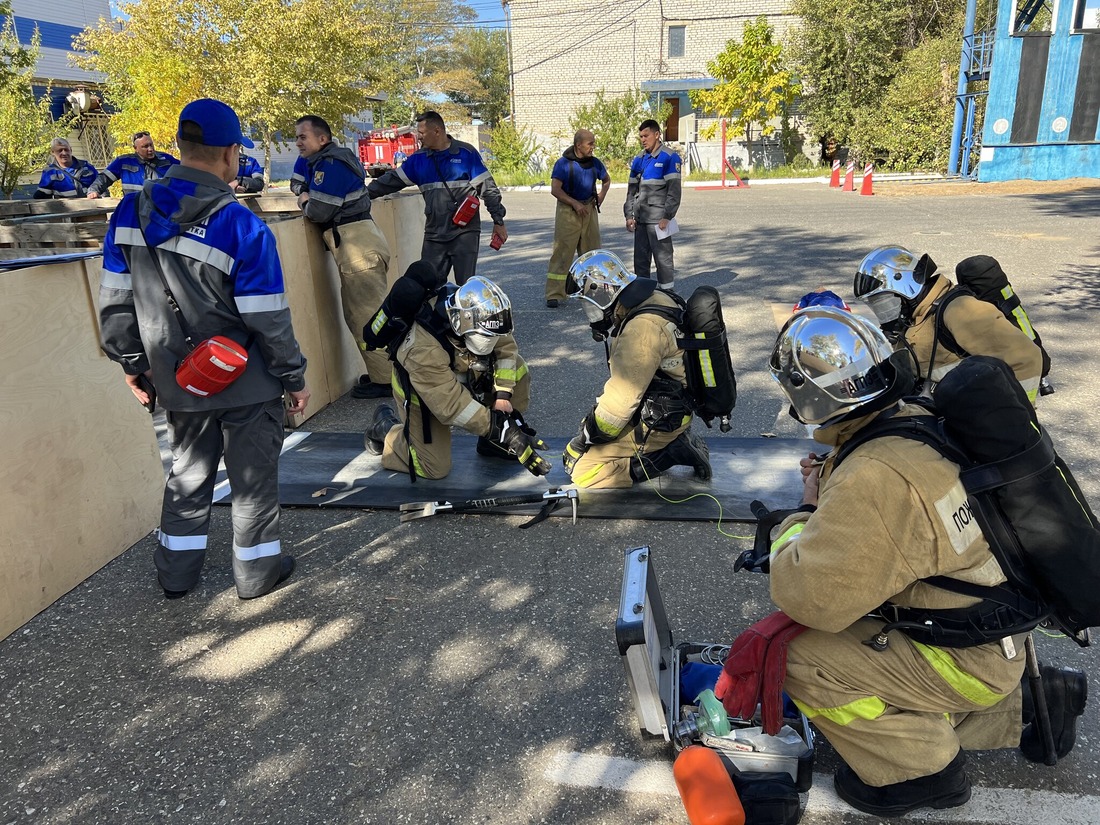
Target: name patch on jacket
958,519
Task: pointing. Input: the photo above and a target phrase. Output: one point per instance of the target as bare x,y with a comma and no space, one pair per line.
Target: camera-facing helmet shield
828,363
597,278
890,269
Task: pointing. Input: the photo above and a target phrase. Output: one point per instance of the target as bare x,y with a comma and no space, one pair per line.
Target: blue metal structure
1042,117
974,67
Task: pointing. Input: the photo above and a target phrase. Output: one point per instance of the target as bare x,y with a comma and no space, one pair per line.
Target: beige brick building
564,51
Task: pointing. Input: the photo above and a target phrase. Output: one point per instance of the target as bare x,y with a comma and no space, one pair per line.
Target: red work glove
739,685
775,673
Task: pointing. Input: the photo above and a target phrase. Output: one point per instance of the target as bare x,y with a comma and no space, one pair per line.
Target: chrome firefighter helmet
479,312
891,279
597,279
831,363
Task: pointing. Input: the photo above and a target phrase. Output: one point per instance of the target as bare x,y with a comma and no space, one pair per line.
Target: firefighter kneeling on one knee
875,537
456,365
639,427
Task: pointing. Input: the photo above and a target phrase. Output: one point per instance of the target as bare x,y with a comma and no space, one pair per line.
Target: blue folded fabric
695,677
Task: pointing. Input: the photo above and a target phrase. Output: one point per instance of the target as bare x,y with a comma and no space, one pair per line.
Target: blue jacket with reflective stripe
250,175
445,179
298,183
222,266
133,172
66,182
337,187
653,190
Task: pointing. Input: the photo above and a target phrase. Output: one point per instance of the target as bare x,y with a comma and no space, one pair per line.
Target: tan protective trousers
362,257
573,235
608,465
889,714
434,460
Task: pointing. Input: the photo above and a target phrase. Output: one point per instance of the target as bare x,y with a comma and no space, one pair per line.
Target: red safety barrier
850,177
834,181
866,189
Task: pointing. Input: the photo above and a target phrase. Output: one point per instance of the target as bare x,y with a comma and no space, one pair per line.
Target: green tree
755,87
478,74
14,56
249,53
848,52
511,150
614,121
25,123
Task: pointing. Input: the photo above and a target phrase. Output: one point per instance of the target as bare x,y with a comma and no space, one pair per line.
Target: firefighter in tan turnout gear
458,365
893,513
905,292
639,427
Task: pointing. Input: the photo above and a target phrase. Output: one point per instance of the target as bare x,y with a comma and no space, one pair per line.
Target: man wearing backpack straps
576,219
335,198
458,365
640,425
899,713
940,323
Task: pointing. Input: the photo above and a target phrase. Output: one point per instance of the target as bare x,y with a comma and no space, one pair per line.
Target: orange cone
834,181
849,177
867,182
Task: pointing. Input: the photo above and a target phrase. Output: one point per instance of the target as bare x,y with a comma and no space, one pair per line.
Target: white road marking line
289,443
995,806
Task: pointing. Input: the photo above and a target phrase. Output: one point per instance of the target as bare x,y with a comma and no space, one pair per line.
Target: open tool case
653,661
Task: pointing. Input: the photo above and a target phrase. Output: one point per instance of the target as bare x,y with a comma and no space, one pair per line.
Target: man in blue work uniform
447,171
146,163
298,183
576,220
65,176
335,198
652,198
187,233
250,176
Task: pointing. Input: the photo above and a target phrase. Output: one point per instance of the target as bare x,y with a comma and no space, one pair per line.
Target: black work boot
374,439
1066,691
687,451
943,789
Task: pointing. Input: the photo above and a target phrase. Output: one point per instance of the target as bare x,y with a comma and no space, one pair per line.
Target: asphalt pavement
457,670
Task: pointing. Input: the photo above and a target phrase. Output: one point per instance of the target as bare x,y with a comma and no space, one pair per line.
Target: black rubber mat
332,470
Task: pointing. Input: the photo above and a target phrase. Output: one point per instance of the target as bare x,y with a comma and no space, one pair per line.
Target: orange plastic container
706,788
212,366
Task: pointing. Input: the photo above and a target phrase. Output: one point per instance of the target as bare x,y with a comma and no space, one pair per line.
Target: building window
1033,17
1087,16
676,38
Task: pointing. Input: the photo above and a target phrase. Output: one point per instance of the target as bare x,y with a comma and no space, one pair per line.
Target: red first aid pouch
212,366
466,210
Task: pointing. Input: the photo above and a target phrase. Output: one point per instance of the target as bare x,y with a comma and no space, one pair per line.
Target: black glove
573,452
508,434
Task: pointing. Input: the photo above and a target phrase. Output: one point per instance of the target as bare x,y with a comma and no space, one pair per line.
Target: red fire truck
383,149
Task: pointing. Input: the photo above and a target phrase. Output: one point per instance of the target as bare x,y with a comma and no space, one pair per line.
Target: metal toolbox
653,660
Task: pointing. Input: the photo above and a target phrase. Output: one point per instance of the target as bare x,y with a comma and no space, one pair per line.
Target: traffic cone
834,181
850,177
867,182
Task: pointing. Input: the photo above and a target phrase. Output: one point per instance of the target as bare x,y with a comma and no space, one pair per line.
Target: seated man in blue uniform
144,163
250,176
65,176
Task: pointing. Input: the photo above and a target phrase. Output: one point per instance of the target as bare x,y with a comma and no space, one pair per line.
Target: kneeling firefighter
889,529
455,364
940,322
639,427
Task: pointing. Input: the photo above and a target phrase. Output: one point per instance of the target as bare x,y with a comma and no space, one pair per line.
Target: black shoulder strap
928,429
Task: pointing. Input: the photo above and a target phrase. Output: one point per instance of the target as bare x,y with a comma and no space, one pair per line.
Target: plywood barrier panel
81,476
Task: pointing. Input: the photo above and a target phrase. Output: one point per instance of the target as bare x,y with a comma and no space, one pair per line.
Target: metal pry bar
423,509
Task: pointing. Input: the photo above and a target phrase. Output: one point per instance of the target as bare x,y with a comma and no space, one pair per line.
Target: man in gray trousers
187,234
652,200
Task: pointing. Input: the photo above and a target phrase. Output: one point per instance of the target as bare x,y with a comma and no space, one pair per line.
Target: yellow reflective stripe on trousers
553,276
395,385
870,707
706,365
789,534
589,476
415,459
969,687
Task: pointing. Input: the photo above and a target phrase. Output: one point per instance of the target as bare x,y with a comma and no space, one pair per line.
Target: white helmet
830,363
479,312
597,279
892,279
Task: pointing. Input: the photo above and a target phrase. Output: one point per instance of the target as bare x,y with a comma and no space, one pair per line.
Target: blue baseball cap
210,122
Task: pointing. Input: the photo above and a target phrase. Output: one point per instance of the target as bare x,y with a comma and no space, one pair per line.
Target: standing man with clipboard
652,199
